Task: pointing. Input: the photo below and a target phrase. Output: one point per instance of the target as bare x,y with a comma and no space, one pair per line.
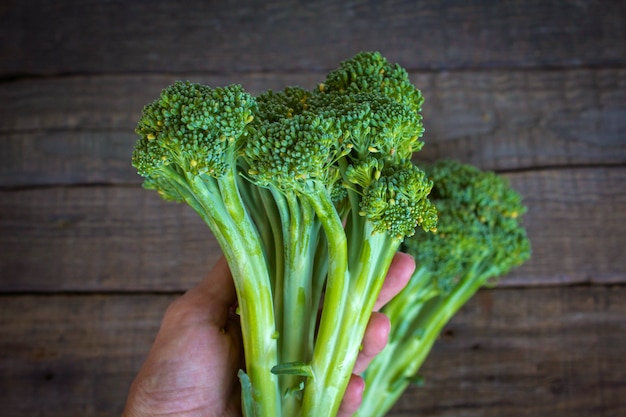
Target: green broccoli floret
309,194
479,214
371,72
385,200
291,101
306,145
194,127
396,201
479,238
373,125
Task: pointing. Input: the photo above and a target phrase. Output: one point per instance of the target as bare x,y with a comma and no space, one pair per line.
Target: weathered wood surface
534,352
100,239
89,261
51,37
497,120
126,238
73,355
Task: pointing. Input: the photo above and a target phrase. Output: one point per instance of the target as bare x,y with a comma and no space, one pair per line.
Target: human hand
191,369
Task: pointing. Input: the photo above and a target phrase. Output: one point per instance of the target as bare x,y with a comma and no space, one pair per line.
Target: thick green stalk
274,199
385,376
403,357
298,273
243,250
375,257
338,354
300,234
265,219
323,392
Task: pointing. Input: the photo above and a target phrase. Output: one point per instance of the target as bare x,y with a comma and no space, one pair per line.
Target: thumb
218,286
214,295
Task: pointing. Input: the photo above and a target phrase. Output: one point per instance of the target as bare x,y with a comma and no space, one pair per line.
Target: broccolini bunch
479,238
309,194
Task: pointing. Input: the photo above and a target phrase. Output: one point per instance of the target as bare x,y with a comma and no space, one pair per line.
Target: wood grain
535,352
70,36
100,239
89,261
576,224
126,238
496,120
76,355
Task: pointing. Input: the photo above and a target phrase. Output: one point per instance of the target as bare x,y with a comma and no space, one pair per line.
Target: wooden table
89,261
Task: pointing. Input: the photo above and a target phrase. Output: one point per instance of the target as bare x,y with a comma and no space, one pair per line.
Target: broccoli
188,150
479,237
309,193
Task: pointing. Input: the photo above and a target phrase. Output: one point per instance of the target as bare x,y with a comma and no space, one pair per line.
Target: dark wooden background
534,89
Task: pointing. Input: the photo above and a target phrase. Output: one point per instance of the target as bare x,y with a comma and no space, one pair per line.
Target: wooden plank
100,238
576,222
537,352
511,120
104,102
126,238
51,37
67,157
497,120
74,355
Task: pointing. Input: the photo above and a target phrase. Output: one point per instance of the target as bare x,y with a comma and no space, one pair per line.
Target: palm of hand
192,367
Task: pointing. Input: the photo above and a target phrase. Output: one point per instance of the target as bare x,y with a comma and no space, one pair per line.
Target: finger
398,276
352,398
374,341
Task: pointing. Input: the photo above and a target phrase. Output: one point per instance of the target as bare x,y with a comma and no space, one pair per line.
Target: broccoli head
479,224
193,127
371,72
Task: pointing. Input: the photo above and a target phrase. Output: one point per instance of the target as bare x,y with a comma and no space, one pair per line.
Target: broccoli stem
387,376
440,310
325,386
397,365
262,209
319,255
274,199
241,244
299,236
403,310
347,316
